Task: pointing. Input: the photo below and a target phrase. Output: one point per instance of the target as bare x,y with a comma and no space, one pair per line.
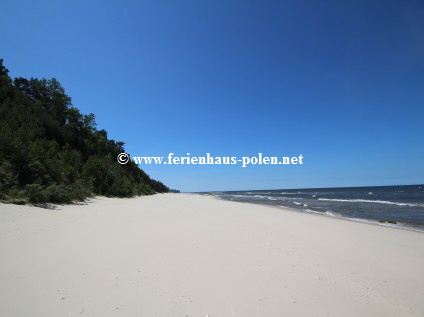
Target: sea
395,206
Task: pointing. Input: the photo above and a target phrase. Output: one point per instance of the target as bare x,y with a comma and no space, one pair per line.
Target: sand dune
188,255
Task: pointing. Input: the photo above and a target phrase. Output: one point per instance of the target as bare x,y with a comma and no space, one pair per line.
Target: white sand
186,255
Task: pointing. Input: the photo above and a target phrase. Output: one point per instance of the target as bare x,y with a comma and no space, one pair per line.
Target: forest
52,153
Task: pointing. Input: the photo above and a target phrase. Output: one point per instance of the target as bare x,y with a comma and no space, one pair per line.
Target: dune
192,255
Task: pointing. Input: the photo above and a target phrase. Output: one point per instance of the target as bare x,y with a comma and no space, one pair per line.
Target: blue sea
397,206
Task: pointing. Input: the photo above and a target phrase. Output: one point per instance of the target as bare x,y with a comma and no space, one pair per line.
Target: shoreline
190,255
331,216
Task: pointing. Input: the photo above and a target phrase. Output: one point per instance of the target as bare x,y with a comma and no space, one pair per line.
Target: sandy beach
190,255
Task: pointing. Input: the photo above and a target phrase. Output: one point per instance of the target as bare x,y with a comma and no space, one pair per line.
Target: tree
50,152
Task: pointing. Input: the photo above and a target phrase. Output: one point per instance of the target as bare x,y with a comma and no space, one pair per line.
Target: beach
193,255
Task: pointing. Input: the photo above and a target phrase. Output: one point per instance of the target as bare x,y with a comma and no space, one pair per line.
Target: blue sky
340,82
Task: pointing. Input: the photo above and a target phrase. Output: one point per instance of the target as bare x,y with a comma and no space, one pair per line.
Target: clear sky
340,82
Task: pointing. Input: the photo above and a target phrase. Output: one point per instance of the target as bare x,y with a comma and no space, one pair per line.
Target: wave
300,204
283,198
332,213
373,201
233,196
310,211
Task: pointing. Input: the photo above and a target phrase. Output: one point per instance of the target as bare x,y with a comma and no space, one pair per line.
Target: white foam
235,196
280,198
332,213
374,201
313,211
369,221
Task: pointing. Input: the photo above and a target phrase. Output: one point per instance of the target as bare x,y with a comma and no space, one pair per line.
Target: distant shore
193,255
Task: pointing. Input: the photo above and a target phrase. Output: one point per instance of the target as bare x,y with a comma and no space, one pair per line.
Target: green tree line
50,152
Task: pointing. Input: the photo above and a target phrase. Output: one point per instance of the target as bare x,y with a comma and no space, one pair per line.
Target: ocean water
398,206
